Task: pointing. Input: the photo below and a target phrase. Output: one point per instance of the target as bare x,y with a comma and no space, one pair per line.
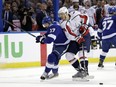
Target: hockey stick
83,55
19,27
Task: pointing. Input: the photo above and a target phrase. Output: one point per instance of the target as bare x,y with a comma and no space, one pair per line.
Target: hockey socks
75,64
84,64
101,63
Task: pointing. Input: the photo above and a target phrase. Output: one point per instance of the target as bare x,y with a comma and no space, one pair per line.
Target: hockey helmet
63,10
112,10
47,20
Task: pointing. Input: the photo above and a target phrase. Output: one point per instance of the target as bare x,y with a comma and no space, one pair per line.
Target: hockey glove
99,36
94,42
80,40
40,39
84,30
95,27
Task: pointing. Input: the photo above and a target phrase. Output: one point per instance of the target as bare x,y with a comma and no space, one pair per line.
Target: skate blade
89,77
100,68
80,79
85,79
41,80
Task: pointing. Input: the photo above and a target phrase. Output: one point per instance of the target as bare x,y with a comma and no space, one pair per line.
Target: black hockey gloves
40,39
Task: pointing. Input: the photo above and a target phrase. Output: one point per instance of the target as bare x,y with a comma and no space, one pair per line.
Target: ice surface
30,77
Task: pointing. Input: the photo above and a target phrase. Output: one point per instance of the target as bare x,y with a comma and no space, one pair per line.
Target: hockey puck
100,83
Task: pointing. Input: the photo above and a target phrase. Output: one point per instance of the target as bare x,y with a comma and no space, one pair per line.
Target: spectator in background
7,16
40,15
76,6
18,2
60,3
98,8
67,3
103,6
14,6
90,11
16,17
111,3
27,19
45,8
38,8
49,7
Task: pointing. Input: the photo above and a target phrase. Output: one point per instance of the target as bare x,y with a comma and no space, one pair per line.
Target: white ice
30,77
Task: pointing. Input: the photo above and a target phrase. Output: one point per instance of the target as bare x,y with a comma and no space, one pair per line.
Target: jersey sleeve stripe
109,36
70,32
85,18
52,36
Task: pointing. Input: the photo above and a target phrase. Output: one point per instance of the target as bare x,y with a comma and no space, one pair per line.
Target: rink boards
18,50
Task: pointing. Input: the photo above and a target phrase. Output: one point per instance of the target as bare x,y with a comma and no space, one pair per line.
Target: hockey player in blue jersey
56,35
107,33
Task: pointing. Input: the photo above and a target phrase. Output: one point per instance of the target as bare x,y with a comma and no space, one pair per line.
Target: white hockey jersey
81,9
91,13
73,24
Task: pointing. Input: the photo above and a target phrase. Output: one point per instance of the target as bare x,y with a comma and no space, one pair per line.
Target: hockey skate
82,75
100,65
44,76
52,75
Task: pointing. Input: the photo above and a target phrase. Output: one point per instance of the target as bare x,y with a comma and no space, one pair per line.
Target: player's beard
76,7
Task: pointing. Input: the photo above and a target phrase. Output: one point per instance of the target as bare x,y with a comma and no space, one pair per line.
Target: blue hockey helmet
112,10
47,20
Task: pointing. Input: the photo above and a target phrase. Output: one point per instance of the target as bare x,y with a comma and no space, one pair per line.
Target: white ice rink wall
19,50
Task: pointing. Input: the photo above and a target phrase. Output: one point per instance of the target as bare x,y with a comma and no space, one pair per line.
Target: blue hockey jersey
107,27
56,34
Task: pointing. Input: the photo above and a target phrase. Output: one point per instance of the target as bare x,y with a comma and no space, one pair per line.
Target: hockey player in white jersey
76,6
111,3
90,11
107,32
76,30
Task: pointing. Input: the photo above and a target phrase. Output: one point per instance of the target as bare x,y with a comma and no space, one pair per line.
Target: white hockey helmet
75,0
63,10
